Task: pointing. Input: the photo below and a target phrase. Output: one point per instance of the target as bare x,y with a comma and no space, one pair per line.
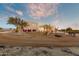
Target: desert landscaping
36,43
39,29
29,38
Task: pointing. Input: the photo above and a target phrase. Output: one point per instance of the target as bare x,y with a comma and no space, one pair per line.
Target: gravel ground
39,51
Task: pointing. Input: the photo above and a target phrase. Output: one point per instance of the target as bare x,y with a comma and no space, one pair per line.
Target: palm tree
23,24
14,21
20,24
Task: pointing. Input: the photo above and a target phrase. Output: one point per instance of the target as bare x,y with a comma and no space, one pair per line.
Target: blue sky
61,15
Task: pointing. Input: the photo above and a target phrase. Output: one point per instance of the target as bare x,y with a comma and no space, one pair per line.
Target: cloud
14,11
19,12
3,17
39,10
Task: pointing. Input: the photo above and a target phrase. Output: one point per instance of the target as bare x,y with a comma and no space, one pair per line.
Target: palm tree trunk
17,28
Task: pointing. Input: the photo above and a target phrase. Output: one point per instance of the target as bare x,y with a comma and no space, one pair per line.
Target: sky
60,15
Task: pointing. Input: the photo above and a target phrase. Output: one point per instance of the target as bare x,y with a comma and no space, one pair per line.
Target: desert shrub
0,28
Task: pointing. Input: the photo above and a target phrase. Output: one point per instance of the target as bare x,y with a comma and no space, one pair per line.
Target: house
36,27
41,29
32,26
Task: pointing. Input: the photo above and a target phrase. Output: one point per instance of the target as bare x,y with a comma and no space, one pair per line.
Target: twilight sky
61,15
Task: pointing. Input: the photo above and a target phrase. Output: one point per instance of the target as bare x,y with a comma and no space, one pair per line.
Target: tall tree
69,29
23,24
14,21
20,24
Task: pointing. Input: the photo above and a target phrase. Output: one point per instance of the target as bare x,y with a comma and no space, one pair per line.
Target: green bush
0,28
